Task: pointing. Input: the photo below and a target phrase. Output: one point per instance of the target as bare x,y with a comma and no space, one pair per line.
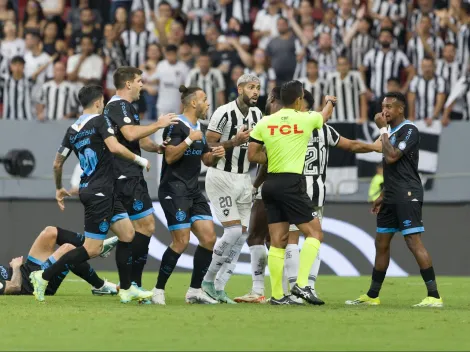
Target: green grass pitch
76,320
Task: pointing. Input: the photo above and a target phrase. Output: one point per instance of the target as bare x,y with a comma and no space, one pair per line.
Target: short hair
187,93
164,3
312,61
89,94
171,48
369,20
396,95
87,36
276,93
124,74
34,33
428,58
290,92
450,44
393,80
205,54
247,78
386,30
281,18
86,9
308,97
17,60
342,56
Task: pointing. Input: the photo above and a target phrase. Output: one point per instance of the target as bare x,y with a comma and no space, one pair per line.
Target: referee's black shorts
286,200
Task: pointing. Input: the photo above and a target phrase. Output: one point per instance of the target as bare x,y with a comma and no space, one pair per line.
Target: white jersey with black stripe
227,121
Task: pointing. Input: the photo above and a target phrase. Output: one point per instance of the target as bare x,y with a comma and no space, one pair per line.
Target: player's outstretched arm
150,146
256,154
135,133
359,147
118,149
59,161
13,286
212,158
173,153
328,108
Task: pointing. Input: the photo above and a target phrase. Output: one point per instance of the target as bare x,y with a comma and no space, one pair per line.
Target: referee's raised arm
328,108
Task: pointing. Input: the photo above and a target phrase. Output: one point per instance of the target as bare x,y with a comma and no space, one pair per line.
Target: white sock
312,277
222,250
291,265
259,260
228,268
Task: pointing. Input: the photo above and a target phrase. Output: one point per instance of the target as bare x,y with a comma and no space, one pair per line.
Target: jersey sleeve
3,284
174,134
408,140
333,136
314,120
218,121
66,147
104,127
414,84
441,85
120,114
256,135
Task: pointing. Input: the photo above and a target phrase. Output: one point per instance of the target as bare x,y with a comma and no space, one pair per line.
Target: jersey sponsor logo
123,108
4,272
136,117
191,151
84,133
82,143
407,223
180,215
110,131
285,129
138,205
127,120
402,145
104,226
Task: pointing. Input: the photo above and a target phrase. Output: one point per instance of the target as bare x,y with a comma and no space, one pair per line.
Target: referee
285,135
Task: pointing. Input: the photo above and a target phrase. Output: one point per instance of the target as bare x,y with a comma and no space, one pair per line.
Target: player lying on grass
14,279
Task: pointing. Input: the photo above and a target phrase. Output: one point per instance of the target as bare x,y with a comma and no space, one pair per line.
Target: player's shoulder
221,110
405,128
255,110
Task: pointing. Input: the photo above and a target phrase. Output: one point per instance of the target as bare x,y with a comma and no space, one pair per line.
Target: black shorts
99,211
33,264
286,200
403,217
182,211
134,196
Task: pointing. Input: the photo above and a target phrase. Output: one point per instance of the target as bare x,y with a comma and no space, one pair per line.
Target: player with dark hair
131,187
14,279
186,209
92,139
399,206
285,135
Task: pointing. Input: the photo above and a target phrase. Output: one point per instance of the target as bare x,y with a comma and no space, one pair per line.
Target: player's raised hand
380,120
332,98
16,262
60,195
242,136
167,120
218,152
195,135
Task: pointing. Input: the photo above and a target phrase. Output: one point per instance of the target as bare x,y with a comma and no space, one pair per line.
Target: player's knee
67,247
50,233
146,225
208,240
94,248
413,242
255,240
381,246
180,243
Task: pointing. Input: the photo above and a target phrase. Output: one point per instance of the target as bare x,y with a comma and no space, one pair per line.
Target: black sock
430,280
124,264
202,260
140,250
66,236
87,273
378,278
168,264
75,256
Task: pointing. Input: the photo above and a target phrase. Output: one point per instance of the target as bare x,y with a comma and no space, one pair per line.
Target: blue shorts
403,217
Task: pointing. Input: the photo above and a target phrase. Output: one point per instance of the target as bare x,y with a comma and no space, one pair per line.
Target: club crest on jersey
127,120
104,226
138,205
180,215
136,117
226,212
393,139
402,145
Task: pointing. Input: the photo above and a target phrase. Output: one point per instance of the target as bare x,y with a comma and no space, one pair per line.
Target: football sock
378,278
87,273
124,263
168,264
222,250
140,250
66,236
258,267
276,267
292,264
75,256
430,280
202,260
229,266
312,277
307,257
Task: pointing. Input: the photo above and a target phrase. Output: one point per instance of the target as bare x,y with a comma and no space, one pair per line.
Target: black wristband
332,103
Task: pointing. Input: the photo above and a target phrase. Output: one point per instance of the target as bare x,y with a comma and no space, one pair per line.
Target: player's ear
240,89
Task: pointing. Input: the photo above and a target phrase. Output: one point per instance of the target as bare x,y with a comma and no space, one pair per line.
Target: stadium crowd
355,50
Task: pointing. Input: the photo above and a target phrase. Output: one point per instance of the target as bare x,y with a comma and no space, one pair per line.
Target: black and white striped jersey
343,24
317,89
426,95
58,99
463,47
360,45
383,66
416,16
227,121
301,67
17,98
240,9
136,45
461,90
212,83
316,162
416,52
116,55
450,71
348,93
392,9
199,8
264,78
327,61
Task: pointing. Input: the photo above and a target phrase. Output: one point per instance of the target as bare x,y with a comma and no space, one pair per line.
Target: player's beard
201,113
247,101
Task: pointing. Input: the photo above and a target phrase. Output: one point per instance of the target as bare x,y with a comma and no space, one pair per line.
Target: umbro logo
168,197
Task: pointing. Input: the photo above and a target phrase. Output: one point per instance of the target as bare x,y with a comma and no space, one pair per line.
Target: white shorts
319,215
258,193
230,195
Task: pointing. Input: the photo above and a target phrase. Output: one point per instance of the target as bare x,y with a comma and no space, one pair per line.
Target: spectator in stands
424,43
281,50
459,98
120,22
57,97
305,13
136,39
149,77
11,45
86,66
73,19
463,38
234,31
314,84
171,74
448,67
393,85
114,56
225,58
210,80
265,26
50,36
346,16
425,7
185,54
54,11
88,29
328,25
266,75
240,9
379,9
358,40
115,4
176,36
326,55
6,13
449,20
160,25
200,16
232,90
212,34
427,94
304,43
16,92
33,18
196,50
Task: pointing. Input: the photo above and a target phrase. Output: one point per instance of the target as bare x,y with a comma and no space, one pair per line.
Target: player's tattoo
58,164
391,154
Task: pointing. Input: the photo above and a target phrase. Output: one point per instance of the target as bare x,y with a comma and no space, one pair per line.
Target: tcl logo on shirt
285,129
